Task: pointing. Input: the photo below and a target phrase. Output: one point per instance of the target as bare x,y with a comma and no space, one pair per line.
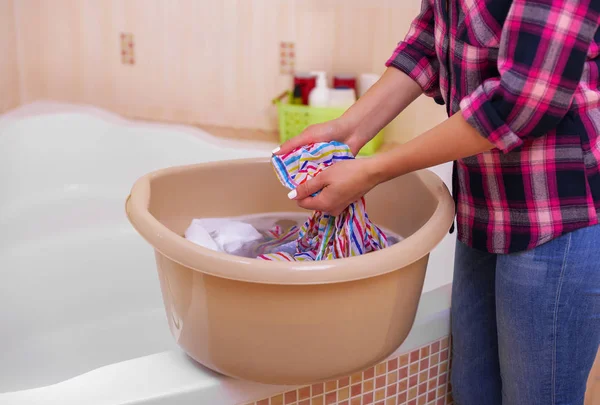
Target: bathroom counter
260,135
241,134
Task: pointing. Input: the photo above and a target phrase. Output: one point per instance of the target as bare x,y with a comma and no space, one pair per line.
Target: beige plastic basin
281,322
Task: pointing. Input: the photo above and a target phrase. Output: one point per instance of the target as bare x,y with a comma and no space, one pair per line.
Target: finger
305,138
316,203
315,133
320,203
308,188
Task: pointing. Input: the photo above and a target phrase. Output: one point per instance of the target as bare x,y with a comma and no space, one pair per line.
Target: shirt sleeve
543,50
416,56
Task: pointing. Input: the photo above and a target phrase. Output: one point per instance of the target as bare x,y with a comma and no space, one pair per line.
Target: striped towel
322,236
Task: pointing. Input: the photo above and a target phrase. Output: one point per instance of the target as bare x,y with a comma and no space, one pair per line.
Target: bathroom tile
379,395
423,376
369,373
380,369
290,397
422,400
287,56
357,377
343,403
431,396
424,364
401,398
368,385
403,373
444,355
435,358
442,379
263,402
380,403
413,369
392,378
444,343
435,347
317,400
304,402
441,391
127,49
277,400
412,393
414,356
443,367
392,364
380,382
412,402
356,389
368,398
391,390
390,401
424,351
422,388
304,393
356,401
413,381
344,393
404,360
403,385
433,371
343,382
441,401
317,389
330,386
331,398
431,385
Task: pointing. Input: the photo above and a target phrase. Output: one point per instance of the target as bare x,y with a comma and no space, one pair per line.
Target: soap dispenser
319,96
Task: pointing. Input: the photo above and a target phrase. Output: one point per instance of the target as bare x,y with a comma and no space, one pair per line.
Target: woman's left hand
340,185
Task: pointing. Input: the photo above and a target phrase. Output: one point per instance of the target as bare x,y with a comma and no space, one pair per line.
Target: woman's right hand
335,130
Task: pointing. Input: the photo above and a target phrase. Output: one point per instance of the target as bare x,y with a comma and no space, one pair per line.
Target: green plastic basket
294,118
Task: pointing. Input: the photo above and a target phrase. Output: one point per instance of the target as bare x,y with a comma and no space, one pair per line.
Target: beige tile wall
9,77
202,61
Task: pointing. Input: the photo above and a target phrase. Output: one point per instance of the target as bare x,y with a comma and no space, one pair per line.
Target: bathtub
77,329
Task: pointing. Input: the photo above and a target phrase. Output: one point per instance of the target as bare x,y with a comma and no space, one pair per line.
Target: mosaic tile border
419,377
127,49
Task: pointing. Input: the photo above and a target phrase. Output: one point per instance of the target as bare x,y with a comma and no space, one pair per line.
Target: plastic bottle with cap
319,96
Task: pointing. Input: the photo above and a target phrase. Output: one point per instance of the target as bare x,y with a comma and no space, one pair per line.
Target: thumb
307,189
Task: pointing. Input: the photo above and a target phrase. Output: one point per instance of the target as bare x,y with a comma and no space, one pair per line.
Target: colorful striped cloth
323,236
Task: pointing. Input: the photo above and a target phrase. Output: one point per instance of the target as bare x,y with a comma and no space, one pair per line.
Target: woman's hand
361,122
339,186
335,130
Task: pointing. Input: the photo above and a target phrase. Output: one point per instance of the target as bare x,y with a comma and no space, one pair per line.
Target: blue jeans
526,326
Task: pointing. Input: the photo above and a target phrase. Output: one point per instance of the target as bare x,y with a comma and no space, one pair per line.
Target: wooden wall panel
201,61
9,77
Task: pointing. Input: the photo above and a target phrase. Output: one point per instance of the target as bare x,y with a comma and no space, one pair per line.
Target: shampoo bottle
319,96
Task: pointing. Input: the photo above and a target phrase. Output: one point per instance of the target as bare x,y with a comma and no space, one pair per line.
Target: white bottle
319,96
341,98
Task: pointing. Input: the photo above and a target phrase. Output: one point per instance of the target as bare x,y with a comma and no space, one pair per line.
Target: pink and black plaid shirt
525,74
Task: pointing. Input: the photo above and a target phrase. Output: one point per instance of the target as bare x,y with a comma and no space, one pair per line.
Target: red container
344,82
307,82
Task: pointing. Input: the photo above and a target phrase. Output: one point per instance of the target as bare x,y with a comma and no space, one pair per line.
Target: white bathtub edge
42,107
172,373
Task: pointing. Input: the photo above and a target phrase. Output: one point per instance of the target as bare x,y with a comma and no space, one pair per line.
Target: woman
520,82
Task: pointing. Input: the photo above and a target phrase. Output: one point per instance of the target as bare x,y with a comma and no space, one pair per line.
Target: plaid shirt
525,74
